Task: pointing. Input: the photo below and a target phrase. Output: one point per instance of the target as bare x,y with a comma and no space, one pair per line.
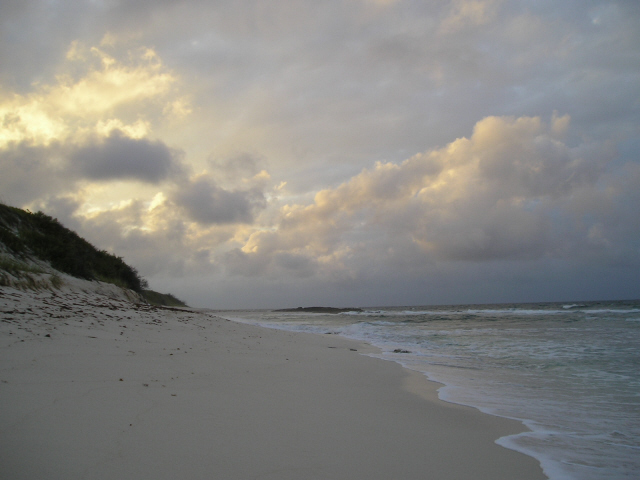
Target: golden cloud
93,102
468,12
483,197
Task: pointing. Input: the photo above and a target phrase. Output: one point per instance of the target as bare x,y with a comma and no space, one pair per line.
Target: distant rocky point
319,310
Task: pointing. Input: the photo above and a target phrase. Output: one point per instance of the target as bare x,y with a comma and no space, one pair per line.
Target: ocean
569,371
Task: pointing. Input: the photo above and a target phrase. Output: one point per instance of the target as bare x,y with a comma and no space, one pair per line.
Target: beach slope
95,387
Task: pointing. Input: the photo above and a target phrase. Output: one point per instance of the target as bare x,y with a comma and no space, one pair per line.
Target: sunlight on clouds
30,120
101,91
157,200
98,119
139,129
469,12
178,109
487,196
281,139
261,176
92,130
128,215
64,110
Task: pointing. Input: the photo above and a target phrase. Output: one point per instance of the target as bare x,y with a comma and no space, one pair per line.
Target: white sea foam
514,311
611,310
396,313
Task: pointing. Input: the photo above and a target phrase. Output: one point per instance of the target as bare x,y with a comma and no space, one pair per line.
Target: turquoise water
569,371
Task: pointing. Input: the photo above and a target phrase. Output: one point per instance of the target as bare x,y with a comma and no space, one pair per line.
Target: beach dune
98,388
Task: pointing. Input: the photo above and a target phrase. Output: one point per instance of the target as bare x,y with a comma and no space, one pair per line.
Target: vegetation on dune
162,299
28,236
24,234
24,275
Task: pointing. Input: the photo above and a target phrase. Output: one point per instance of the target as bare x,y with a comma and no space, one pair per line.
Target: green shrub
11,241
162,299
56,281
47,239
16,267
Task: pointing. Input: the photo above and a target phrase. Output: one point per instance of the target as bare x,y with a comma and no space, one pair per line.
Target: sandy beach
95,387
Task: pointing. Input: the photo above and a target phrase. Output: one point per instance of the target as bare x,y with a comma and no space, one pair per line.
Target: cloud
118,157
207,203
468,13
154,236
92,124
30,172
238,168
160,120
93,91
109,83
512,191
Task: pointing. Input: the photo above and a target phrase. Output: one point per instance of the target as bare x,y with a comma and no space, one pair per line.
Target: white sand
124,392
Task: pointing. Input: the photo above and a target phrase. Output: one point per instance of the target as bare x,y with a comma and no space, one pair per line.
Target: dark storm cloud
207,203
118,157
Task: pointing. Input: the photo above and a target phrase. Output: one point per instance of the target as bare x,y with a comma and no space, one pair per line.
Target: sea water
569,371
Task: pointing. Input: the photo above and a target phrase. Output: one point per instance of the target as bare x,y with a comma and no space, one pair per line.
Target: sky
250,154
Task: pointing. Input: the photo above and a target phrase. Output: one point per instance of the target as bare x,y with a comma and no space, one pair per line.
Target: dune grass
27,235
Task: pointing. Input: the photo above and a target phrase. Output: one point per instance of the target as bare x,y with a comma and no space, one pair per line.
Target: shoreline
117,391
415,383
